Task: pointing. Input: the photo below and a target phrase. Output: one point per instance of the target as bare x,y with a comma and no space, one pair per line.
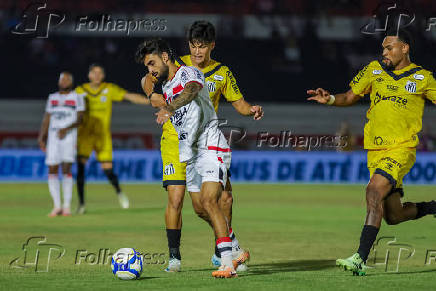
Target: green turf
294,232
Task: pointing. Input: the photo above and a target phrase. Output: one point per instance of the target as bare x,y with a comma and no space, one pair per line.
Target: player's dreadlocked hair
403,35
153,46
201,31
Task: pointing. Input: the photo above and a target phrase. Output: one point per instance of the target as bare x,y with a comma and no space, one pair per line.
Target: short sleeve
48,106
116,93
80,103
231,90
430,90
191,74
361,83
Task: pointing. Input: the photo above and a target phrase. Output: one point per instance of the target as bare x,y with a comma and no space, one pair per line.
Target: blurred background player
58,138
95,133
398,90
219,81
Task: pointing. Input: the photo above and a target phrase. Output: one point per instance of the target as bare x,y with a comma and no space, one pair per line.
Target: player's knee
176,203
392,219
373,195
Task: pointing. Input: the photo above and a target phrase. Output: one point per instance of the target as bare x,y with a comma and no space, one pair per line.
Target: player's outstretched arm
324,97
189,93
43,132
136,98
245,108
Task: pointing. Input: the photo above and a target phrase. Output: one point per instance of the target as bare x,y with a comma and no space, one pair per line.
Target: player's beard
163,76
390,66
65,89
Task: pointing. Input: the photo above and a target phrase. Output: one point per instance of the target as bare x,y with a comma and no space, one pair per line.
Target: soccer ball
127,264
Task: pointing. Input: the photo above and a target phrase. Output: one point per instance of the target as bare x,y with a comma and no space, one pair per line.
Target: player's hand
42,144
62,133
256,111
319,95
162,116
147,83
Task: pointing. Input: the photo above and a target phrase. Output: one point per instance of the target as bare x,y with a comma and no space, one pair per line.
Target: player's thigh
68,149
173,171
53,150
103,148
212,168
85,146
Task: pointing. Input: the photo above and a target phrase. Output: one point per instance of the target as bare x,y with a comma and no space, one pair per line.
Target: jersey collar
404,74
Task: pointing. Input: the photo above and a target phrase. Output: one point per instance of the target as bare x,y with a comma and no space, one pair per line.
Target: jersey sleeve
361,83
48,106
430,90
116,93
80,103
191,74
231,90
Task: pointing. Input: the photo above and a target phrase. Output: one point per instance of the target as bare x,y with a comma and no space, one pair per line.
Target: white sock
224,245
235,243
54,188
67,189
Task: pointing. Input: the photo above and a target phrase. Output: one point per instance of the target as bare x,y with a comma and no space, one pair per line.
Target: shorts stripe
173,182
387,176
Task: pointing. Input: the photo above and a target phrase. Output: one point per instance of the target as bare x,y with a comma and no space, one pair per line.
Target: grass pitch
294,233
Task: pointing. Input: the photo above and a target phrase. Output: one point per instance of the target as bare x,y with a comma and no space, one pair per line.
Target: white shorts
61,150
207,167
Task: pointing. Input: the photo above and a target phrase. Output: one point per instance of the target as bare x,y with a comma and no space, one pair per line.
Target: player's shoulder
53,95
373,65
184,60
425,73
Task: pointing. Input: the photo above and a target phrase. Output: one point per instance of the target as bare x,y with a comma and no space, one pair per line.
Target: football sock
54,188
425,208
67,189
173,236
235,243
367,238
81,182
217,252
224,245
113,178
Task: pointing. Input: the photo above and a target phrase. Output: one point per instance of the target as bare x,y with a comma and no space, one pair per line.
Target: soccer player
219,81
95,134
398,89
202,146
58,138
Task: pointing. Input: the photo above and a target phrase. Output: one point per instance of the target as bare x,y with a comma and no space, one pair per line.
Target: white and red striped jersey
63,108
196,123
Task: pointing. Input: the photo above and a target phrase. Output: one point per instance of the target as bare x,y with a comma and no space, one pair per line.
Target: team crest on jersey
411,87
218,77
169,170
103,99
377,72
211,86
418,77
105,91
184,76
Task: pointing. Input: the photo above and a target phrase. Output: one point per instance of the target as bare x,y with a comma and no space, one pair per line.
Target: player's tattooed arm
343,99
43,132
189,93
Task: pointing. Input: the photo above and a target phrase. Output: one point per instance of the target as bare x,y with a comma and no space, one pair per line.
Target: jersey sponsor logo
169,170
392,87
359,75
233,82
60,115
418,77
211,86
183,135
103,99
377,72
184,77
218,77
378,140
398,101
411,87
391,162
177,118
